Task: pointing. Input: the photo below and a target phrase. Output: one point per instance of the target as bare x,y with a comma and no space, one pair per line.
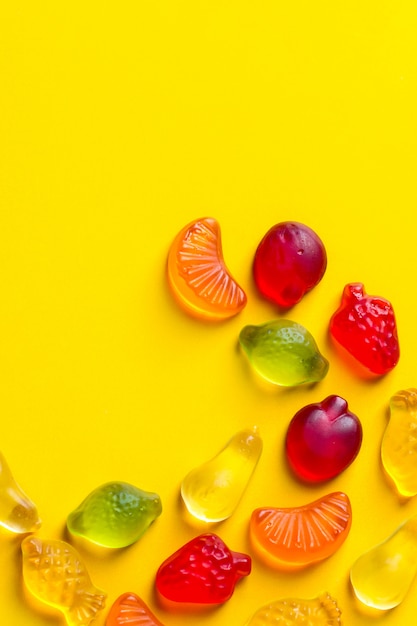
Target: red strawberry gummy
365,326
203,571
323,439
289,261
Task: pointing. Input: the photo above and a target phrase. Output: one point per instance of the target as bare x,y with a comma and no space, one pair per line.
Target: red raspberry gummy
289,261
365,326
203,571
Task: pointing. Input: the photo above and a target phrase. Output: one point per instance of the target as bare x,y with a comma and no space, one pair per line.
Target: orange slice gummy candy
131,610
198,275
293,538
321,611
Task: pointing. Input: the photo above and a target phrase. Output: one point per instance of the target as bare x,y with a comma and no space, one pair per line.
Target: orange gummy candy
293,538
130,609
198,275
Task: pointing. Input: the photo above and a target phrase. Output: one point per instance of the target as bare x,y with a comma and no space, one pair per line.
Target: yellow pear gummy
17,512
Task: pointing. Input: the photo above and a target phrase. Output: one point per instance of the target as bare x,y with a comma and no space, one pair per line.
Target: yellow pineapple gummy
55,574
320,611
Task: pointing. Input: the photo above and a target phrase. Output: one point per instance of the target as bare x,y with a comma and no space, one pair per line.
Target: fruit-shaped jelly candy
130,610
365,326
323,439
382,576
55,574
212,491
399,443
321,611
115,515
293,538
289,261
198,275
17,512
203,571
284,353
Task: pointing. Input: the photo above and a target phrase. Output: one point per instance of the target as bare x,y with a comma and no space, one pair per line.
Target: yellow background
122,122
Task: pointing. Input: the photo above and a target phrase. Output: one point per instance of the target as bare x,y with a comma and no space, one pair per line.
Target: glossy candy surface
115,515
399,443
17,512
212,491
289,261
321,611
284,353
294,538
323,439
55,574
130,610
382,576
203,571
198,274
365,326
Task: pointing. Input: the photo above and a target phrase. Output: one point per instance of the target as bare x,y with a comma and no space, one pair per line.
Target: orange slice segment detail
130,609
198,274
293,538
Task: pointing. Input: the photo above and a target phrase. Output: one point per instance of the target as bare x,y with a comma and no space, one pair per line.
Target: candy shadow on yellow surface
278,566
11,543
366,610
354,366
83,545
50,615
192,521
187,608
264,385
401,500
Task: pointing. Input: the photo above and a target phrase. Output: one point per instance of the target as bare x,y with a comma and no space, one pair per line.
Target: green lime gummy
115,515
284,353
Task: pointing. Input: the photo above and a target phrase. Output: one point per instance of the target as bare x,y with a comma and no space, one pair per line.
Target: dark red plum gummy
323,439
290,260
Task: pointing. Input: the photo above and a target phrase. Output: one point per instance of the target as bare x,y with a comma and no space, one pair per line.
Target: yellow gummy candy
17,511
382,576
321,611
399,443
212,491
55,574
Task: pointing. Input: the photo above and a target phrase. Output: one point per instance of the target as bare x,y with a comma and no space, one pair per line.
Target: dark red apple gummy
323,439
289,261
203,571
365,326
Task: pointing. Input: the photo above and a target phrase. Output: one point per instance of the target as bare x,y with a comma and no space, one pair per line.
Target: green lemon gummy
284,353
115,515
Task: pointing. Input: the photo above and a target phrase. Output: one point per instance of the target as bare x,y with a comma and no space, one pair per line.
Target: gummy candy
365,326
323,439
115,515
198,275
284,353
289,261
212,491
321,611
17,512
294,538
55,574
131,610
399,444
382,576
203,571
